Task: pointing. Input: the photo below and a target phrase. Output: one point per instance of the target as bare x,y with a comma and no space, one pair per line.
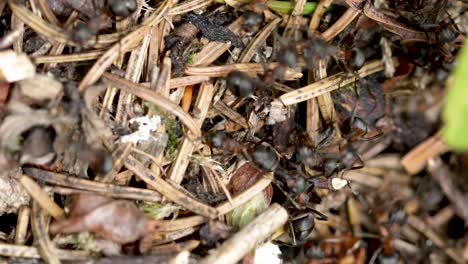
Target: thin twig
249,237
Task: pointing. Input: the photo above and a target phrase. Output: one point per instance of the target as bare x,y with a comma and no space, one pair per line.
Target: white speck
268,253
338,183
146,125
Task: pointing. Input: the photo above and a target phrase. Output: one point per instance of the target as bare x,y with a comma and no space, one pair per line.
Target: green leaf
286,7
455,112
244,214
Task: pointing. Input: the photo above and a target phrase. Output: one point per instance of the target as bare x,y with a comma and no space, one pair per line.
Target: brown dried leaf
116,220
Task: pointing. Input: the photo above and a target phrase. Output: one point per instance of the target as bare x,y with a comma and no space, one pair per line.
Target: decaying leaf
116,220
12,195
243,178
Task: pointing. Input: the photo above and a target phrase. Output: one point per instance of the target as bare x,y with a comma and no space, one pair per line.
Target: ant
302,223
265,157
83,32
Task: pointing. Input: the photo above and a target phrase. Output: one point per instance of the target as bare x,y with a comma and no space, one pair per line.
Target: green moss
173,130
159,211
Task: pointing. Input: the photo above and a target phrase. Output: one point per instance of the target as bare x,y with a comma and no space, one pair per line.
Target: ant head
252,20
356,58
287,55
240,84
122,8
265,157
82,33
217,139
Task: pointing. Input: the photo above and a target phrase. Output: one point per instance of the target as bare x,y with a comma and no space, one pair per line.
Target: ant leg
293,203
321,217
291,232
375,255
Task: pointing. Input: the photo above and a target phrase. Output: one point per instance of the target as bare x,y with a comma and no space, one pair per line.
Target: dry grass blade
231,114
168,191
294,19
328,84
325,102
390,24
110,190
41,235
129,41
9,250
50,31
41,197
22,225
47,12
340,24
322,6
85,56
53,32
178,168
188,6
133,73
257,41
222,71
154,98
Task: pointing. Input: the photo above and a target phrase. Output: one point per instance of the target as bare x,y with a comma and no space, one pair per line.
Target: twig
322,6
154,98
328,84
126,43
168,191
22,225
340,24
415,160
9,250
110,190
133,74
41,197
41,235
178,168
224,70
257,41
231,114
249,237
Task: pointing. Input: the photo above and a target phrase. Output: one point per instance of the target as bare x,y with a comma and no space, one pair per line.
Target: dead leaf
116,220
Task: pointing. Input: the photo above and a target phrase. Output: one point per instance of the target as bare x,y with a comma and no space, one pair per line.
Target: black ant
302,223
83,32
240,84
